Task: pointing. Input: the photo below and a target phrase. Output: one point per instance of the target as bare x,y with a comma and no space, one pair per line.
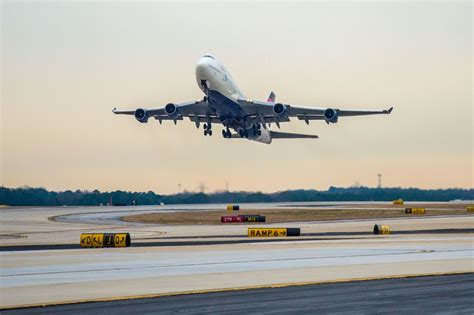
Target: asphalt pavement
449,294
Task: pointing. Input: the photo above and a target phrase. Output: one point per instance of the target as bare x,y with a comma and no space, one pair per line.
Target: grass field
297,214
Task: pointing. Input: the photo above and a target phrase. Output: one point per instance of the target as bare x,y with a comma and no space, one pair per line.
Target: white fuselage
209,69
223,94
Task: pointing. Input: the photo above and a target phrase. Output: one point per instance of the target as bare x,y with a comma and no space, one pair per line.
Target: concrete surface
33,277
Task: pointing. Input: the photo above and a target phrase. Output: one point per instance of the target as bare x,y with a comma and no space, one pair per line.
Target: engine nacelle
171,110
141,115
331,115
279,109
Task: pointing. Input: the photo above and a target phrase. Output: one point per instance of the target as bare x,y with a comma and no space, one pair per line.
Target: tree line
27,196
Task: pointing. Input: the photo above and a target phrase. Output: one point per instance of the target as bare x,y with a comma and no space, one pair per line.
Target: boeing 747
224,103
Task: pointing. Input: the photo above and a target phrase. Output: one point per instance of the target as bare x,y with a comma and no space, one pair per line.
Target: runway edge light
398,202
231,208
381,229
415,210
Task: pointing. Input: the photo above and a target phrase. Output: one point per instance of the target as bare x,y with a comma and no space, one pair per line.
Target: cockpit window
209,56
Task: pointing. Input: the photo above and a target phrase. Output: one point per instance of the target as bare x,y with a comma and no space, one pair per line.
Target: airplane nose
202,73
201,67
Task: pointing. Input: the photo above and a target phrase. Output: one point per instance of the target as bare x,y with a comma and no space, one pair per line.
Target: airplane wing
278,112
196,111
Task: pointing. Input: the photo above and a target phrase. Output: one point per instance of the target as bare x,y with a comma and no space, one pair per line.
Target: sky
65,65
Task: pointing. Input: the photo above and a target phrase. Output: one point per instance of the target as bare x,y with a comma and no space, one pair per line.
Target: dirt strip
287,215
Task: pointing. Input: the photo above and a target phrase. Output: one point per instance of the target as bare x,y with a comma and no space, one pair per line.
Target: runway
432,294
42,264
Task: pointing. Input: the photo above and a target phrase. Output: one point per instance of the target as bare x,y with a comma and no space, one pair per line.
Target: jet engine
171,110
279,110
331,115
141,115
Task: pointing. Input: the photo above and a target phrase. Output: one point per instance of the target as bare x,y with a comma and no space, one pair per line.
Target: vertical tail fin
271,97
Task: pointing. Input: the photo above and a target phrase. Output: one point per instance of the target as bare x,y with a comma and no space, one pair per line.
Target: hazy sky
66,65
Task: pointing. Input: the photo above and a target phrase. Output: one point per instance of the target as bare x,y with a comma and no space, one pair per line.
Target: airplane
224,103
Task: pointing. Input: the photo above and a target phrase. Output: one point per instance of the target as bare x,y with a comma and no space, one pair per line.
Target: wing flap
310,117
201,118
166,117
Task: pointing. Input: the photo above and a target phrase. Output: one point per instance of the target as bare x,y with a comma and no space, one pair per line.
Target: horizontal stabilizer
287,135
283,135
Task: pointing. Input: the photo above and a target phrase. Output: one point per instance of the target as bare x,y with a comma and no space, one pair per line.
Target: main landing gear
207,129
226,133
243,133
257,129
